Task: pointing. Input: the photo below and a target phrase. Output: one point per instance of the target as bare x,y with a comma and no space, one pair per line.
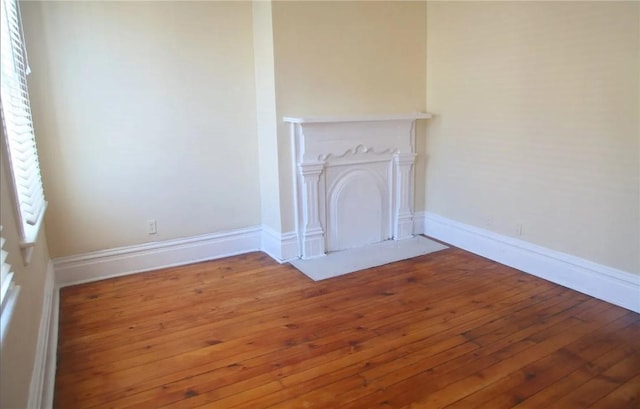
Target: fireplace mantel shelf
356,118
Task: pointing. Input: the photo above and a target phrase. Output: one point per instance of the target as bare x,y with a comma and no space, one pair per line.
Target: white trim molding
282,247
599,281
103,264
44,366
606,283
418,222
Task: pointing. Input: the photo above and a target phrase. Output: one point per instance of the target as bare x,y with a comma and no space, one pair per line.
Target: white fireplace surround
354,180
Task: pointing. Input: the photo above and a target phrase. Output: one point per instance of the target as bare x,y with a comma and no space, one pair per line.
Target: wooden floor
448,329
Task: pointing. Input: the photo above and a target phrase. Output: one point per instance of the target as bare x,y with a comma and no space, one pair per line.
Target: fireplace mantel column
313,244
403,217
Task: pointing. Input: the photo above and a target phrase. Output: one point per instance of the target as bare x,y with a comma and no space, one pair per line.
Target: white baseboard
103,264
52,352
602,282
606,283
43,374
418,222
282,247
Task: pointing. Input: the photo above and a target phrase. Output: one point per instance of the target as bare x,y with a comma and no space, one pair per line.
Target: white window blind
8,291
18,125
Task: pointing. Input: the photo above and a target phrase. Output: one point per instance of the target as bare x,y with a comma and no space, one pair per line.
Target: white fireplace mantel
354,180
356,118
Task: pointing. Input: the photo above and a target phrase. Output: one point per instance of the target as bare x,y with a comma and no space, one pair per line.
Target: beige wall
340,58
144,110
536,123
138,104
19,347
266,114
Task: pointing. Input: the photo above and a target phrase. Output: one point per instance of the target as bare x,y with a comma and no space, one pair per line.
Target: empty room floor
445,330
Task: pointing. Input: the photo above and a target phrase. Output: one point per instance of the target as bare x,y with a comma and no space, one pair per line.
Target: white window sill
31,233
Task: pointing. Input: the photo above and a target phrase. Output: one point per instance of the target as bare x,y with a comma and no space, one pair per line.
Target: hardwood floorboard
401,383
560,388
448,329
222,309
602,385
623,397
519,385
345,328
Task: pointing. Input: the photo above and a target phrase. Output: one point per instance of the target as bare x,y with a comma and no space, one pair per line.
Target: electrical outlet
488,222
152,227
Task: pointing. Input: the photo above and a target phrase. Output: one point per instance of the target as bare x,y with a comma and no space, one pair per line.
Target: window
22,155
8,291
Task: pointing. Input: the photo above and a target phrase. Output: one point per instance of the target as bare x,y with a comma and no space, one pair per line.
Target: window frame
8,291
19,142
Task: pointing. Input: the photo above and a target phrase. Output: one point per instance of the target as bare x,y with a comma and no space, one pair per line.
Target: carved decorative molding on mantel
353,180
360,149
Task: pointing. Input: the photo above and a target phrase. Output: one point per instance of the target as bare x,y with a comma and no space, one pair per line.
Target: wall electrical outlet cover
152,227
